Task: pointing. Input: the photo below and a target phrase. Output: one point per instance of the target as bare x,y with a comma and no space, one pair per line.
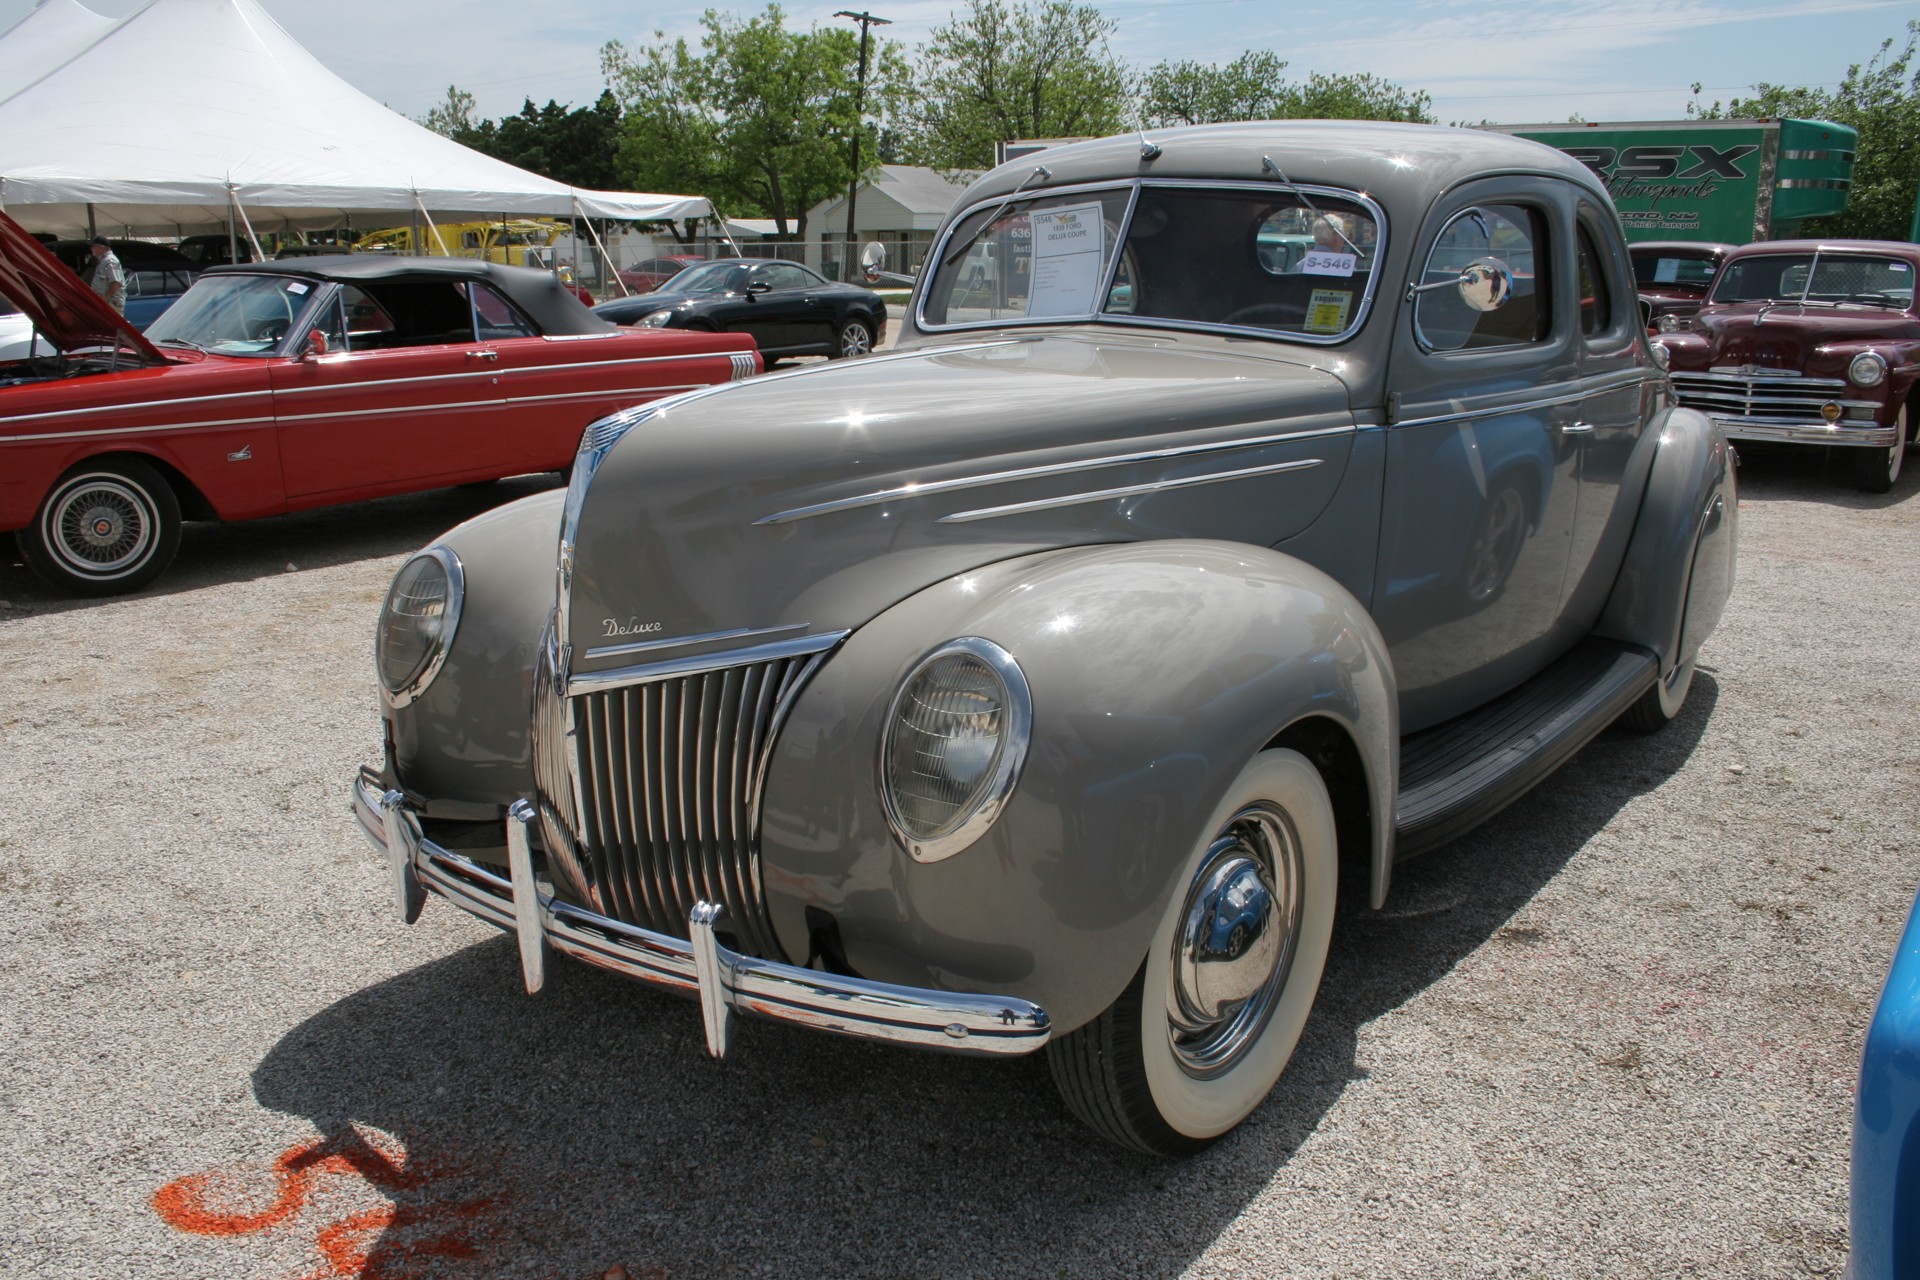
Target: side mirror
316,345
757,288
1485,284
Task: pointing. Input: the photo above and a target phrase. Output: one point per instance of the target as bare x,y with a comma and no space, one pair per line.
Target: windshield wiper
181,342
1039,171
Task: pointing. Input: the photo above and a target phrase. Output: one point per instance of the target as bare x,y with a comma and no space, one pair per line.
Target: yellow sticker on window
1327,311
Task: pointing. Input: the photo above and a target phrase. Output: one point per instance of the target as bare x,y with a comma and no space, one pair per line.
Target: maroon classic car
1809,342
272,387
1672,276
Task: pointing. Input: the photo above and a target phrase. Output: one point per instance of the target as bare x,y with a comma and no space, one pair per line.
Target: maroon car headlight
1868,369
417,623
955,739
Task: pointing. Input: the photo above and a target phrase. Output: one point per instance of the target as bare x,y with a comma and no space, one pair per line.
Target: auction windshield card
1068,253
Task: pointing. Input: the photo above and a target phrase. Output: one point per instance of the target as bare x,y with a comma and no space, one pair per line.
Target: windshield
1266,258
237,315
1674,268
1827,278
710,277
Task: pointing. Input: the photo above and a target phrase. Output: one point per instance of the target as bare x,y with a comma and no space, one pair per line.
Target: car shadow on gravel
594,1131
1799,473
215,554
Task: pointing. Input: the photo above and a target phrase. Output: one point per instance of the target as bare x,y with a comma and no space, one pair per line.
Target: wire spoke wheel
105,529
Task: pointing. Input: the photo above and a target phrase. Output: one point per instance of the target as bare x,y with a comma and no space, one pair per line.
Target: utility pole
867,21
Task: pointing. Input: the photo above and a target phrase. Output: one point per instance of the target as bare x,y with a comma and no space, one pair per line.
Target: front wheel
855,340
104,529
1200,1036
1875,470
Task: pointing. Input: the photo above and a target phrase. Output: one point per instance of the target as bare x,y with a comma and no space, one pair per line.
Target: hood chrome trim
919,490
1126,491
675,642
571,686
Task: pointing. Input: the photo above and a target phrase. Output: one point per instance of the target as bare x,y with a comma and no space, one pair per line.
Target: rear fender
1156,671
1678,572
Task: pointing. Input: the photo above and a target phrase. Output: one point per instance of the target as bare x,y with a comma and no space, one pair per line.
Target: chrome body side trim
621,677
1125,491
956,1022
1866,436
917,490
675,642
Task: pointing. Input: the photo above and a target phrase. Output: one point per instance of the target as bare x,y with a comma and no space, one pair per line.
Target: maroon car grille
1763,397
650,793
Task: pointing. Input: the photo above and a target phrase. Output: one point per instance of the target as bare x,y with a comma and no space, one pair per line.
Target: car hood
811,501
1783,335
62,308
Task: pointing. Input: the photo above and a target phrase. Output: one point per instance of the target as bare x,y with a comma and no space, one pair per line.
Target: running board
1456,775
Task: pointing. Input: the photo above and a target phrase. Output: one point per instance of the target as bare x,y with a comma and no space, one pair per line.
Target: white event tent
190,112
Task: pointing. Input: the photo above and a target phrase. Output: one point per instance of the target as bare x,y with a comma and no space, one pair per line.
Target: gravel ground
1611,1034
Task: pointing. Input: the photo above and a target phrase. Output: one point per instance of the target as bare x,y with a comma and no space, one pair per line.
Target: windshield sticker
1666,271
294,286
1327,309
1068,252
1897,266
1322,262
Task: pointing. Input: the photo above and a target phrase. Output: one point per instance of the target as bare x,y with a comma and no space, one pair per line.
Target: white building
901,206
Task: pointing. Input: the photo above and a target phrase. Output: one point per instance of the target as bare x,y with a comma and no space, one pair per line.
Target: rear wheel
1875,470
855,339
104,529
1659,705
1199,1037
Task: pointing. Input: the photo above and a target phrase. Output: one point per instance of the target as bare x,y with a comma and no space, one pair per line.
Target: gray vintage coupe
1034,685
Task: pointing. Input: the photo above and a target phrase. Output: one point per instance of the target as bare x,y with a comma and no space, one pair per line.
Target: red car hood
1782,335
68,313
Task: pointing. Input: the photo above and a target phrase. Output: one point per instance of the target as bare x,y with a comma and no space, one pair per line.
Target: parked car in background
1883,1222
1673,277
215,250
279,386
1809,342
156,274
1035,685
653,273
788,308
18,339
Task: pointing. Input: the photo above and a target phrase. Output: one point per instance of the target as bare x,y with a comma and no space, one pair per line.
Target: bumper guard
724,981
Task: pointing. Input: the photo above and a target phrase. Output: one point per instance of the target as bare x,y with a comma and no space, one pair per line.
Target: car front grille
1766,398
649,793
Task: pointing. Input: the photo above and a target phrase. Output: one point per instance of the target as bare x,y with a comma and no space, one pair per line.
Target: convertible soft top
538,293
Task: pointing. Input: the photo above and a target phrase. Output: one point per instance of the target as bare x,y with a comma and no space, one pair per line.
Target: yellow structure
519,242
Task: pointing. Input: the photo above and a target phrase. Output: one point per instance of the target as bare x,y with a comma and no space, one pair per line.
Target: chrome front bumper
1868,436
724,981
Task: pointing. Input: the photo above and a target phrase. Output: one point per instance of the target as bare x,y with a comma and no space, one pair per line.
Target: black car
788,308
156,274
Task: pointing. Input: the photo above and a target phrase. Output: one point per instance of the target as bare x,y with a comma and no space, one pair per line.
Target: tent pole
601,246
92,230
259,254
444,251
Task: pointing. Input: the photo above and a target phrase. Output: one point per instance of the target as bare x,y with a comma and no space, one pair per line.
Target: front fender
1156,671
461,748
1678,572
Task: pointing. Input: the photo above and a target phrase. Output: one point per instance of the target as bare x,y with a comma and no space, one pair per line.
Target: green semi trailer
1734,181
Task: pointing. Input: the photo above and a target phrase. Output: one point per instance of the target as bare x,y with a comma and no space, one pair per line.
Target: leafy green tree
1251,88
575,147
453,118
1248,88
759,118
1014,71
1880,99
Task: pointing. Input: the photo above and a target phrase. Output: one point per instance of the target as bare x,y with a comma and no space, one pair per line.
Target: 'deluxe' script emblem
631,627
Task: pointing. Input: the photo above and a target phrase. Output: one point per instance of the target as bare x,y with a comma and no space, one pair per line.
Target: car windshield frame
1731,271
997,205
235,285
716,268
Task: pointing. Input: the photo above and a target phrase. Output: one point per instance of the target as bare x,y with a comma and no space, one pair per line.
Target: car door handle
483,355
1576,428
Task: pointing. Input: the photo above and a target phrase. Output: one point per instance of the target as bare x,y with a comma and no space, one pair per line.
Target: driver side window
1512,234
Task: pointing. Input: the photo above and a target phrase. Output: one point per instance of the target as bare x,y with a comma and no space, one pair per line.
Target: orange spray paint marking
413,1234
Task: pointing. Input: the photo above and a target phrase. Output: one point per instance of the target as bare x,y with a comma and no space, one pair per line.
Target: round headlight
1668,324
1661,356
657,319
1867,369
417,623
955,739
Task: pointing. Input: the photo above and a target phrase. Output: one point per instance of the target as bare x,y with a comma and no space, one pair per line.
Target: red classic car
277,386
650,274
1809,342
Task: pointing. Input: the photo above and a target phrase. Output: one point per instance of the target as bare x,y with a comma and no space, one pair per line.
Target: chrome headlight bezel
435,654
1868,369
990,793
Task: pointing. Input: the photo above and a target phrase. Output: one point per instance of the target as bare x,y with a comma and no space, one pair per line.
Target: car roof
1880,248
1679,246
130,252
538,293
1395,163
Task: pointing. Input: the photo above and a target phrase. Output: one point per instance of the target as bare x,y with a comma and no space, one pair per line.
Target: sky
1507,61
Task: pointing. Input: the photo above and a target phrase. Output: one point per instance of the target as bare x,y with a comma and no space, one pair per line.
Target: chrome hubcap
1236,940
101,527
